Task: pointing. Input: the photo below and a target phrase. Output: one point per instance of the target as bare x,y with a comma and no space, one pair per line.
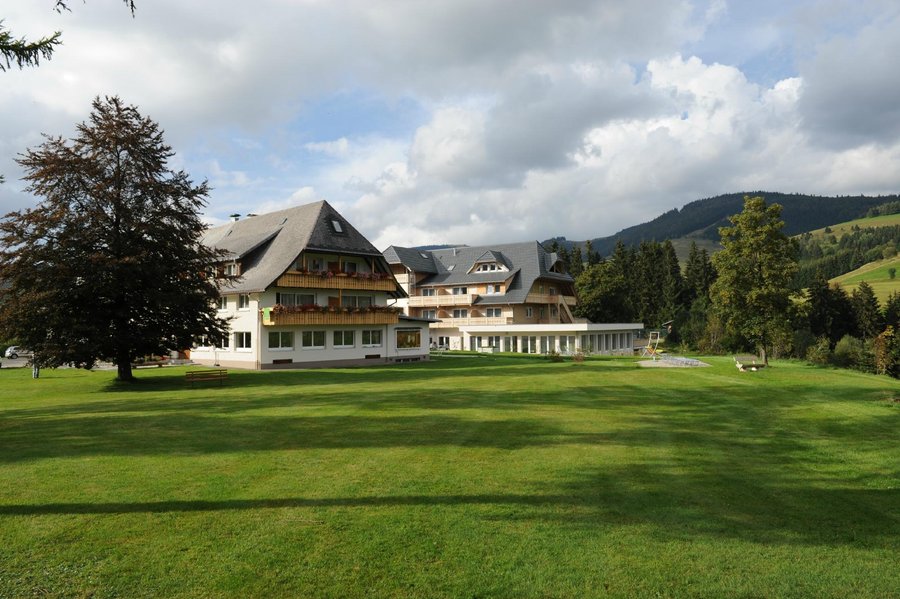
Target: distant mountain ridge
701,219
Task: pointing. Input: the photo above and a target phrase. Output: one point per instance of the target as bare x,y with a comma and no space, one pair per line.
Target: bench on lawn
196,376
746,362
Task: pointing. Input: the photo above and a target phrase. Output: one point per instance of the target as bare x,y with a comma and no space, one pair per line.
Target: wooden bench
196,376
745,363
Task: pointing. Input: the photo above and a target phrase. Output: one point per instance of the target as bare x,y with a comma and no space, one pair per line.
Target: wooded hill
701,219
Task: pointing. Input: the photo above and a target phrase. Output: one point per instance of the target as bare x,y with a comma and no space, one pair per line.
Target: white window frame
460,291
529,312
243,340
429,314
460,313
369,333
493,312
343,334
428,292
244,301
312,339
223,303
280,346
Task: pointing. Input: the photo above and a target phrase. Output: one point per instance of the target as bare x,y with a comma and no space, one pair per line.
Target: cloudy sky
471,121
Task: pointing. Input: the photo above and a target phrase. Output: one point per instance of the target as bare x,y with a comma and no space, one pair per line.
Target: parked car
16,351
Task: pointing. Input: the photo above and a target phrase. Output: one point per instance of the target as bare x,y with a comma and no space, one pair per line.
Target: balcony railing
318,317
546,298
423,301
337,281
471,321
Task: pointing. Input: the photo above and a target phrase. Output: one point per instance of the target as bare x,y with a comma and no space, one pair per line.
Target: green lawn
463,477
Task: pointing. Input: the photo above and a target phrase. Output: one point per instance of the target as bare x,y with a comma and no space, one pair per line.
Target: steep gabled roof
269,243
527,262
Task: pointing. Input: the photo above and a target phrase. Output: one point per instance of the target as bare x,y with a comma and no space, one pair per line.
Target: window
429,314
529,312
343,338
553,311
316,264
460,290
295,299
542,311
552,291
242,340
356,301
313,340
350,267
223,342
493,312
231,270
493,289
222,303
338,227
243,301
281,340
409,338
429,292
202,341
371,338
460,313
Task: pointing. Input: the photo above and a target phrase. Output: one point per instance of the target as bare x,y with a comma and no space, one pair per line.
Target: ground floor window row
406,338
533,344
316,339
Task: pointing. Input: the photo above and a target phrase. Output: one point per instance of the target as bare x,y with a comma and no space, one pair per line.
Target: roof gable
280,237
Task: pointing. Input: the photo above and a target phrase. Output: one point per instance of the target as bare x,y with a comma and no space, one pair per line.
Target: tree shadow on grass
679,507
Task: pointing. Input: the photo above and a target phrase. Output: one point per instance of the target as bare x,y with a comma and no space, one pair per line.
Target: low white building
303,288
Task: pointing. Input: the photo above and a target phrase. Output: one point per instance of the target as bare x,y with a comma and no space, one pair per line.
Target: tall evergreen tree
755,269
892,311
109,265
699,274
671,285
576,262
591,256
866,311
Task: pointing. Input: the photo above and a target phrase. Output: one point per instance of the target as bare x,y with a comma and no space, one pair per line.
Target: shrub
820,353
554,356
848,353
802,341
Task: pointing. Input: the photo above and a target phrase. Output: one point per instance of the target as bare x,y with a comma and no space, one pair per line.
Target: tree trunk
123,366
764,355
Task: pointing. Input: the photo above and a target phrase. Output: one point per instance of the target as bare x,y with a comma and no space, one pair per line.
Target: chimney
234,217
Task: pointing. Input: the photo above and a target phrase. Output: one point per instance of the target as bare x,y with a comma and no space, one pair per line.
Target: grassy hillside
875,274
862,223
463,477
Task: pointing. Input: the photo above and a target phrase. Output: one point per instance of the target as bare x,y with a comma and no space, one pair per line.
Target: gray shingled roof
417,260
527,262
269,243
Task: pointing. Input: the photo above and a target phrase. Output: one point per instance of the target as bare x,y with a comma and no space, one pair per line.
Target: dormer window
231,270
337,226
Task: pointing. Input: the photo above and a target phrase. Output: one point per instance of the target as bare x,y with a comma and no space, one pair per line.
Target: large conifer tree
109,264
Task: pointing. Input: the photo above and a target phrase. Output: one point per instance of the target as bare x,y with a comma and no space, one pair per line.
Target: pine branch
23,53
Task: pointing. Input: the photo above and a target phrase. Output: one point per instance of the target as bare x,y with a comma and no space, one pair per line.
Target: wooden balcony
544,298
426,301
317,317
471,321
316,281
